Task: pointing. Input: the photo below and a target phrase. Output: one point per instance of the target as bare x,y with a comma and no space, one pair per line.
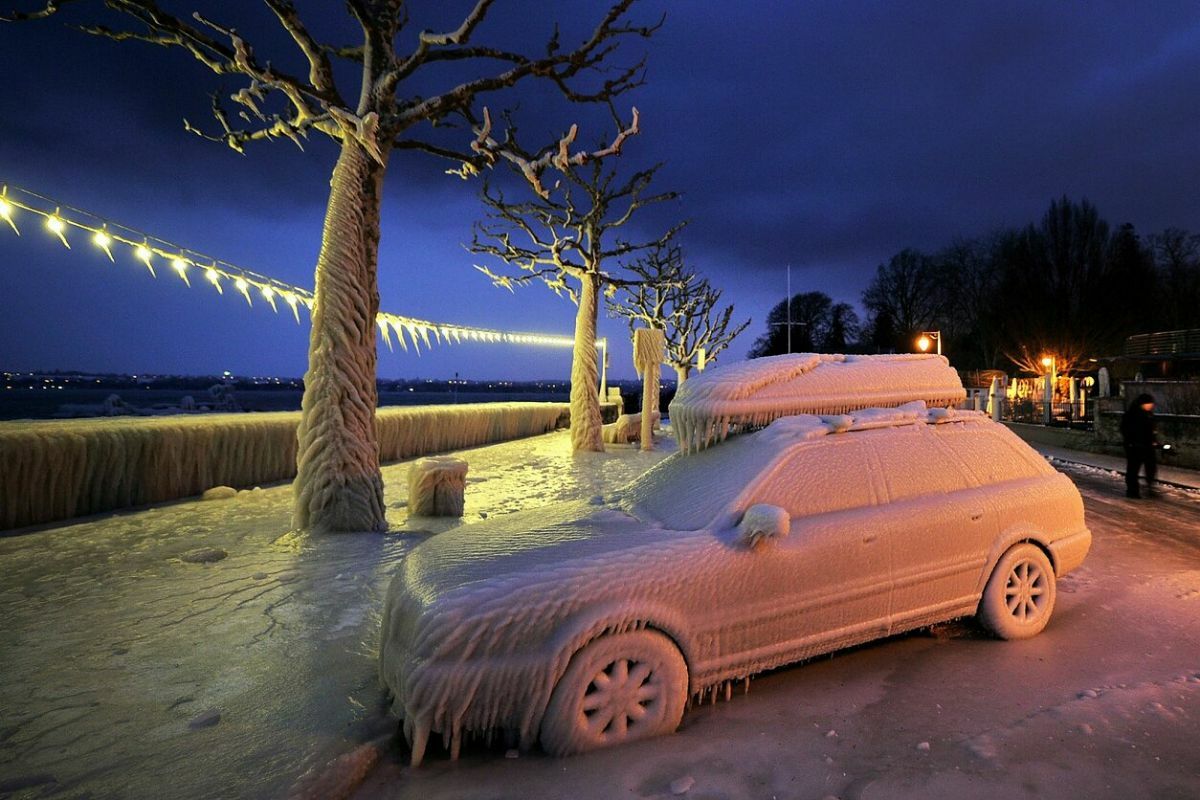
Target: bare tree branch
678,301
320,73
565,234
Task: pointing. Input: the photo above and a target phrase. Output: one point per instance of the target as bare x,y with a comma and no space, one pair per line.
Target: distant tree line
1069,285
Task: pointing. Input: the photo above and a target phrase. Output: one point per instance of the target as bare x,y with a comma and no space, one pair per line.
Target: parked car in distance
584,626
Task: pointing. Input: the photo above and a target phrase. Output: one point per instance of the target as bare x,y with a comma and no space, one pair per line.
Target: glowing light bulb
269,295
290,299
180,266
143,255
6,210
58,228
243,286
382,322
214,278
102,240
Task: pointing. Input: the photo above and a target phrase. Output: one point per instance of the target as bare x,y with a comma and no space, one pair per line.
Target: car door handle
976,516
870,537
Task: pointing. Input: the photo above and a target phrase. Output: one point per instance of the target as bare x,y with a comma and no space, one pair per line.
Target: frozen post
1078,399
995,398
436,487
649,348
1048,400
1105,388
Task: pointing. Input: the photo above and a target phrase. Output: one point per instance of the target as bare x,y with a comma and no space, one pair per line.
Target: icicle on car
584,626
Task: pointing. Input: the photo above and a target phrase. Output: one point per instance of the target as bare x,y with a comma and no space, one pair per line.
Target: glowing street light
927,339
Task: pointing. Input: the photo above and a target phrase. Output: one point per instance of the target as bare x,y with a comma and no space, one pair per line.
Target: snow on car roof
710,406
690,493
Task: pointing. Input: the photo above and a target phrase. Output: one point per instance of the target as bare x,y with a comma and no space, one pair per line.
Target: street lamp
1049,363
927,339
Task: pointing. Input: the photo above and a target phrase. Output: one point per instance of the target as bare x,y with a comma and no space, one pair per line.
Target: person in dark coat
1138,434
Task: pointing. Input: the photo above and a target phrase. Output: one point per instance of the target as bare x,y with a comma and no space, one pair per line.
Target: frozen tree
372,97
681,303
570,237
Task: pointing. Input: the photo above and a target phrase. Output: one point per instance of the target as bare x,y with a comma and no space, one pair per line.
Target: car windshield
686,493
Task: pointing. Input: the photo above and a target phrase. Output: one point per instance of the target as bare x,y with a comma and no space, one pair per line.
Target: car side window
913,465
833,474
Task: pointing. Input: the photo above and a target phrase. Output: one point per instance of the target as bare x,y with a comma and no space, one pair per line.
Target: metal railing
1058,414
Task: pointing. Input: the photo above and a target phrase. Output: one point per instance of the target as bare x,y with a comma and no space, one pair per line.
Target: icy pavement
198,650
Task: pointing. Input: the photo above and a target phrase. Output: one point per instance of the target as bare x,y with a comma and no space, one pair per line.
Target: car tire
1019,597
617,689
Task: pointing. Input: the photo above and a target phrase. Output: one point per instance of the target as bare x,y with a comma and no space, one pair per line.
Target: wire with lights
146,249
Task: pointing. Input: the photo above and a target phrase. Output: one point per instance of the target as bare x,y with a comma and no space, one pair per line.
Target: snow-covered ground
136,665
198,650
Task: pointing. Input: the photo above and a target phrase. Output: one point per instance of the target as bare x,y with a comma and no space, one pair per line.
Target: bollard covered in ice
747,395
436,487
627,428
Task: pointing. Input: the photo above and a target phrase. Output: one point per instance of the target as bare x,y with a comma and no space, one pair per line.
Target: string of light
155,253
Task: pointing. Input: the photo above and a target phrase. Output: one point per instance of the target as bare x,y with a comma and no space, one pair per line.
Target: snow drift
60,469
710,406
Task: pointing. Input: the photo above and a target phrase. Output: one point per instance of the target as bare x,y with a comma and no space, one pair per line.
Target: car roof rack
804,427
749,395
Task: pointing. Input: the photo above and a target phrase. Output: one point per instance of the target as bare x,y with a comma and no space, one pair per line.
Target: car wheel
1019,596
617,689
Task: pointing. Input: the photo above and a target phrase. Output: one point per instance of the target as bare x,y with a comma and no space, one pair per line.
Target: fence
1079,415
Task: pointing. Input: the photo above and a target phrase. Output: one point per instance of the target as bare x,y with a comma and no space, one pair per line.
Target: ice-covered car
585,626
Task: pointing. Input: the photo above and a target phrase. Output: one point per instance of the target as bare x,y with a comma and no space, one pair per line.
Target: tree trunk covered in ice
681,374
338,484
586,425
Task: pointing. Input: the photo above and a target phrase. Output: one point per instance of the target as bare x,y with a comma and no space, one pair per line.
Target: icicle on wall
68,468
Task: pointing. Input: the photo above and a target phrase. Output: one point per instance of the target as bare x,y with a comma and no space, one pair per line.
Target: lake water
23,403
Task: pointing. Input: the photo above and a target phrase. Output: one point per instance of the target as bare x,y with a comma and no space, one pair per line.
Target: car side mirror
762,522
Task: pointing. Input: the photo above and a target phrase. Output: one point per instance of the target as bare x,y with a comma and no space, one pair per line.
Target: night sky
825,135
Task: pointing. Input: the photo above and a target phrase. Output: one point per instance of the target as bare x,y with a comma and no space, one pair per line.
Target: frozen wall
52,470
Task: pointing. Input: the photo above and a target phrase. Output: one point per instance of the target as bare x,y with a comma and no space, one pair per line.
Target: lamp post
928,338
1049,363
602,344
